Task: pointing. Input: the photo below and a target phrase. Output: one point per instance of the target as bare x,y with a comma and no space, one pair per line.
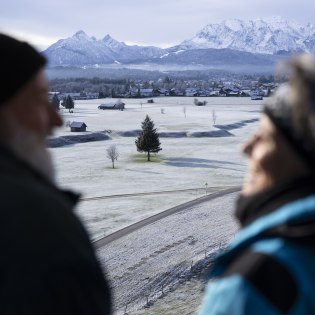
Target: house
256,94
191,92
160,92
245,92
222,92
133,92
214,93
75,96
113,105
146,92
204,92
176,92
233,93
77,126
88,96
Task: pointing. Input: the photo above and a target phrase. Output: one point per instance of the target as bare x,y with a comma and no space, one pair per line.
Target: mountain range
252,42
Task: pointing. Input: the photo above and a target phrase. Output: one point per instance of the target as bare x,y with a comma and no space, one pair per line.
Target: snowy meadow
199,154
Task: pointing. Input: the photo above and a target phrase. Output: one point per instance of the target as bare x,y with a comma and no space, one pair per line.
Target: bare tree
112,153
214,117
184,111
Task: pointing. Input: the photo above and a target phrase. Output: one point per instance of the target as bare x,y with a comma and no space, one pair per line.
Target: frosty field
186,168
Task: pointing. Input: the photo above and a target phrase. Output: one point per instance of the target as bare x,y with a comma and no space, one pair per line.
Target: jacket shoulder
268,276
232,295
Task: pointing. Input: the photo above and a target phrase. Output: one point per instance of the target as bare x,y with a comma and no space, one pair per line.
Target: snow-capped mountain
268,36
80,49
273,36
216,57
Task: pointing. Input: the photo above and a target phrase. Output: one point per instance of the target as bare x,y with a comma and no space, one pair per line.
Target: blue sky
161,23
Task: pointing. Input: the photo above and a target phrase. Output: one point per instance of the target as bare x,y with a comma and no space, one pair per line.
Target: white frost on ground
185,300
164,250
184,163
158,255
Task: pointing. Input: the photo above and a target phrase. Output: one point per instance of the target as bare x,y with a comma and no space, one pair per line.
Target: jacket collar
286,216
250,208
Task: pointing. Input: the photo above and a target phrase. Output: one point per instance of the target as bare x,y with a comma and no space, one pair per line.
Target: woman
270,266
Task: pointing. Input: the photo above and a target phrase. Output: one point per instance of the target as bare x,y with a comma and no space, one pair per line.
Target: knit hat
292,107
19,63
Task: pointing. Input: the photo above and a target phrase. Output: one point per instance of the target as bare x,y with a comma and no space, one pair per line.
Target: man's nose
55,118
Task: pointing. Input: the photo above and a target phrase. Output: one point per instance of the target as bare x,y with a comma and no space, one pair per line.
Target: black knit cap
283,112
19,63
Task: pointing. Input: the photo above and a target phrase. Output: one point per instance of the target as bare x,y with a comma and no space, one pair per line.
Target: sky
161,23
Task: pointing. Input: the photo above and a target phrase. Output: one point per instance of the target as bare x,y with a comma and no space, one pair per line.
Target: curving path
149,258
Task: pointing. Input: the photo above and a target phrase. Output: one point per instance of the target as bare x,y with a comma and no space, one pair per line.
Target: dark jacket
47,263
269,268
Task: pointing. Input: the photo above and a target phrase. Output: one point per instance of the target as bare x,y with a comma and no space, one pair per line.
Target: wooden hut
77,126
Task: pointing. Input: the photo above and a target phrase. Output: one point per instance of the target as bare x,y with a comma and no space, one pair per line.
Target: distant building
160,92
79,96
191,92
204,92
214,93
256,94
233,93
113,105
222,92
176,92
75,96
146,92
77,126
89,96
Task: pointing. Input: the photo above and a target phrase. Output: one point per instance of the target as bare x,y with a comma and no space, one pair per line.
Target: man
47,263
270,266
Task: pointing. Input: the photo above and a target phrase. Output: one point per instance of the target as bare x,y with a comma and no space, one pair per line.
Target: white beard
30,147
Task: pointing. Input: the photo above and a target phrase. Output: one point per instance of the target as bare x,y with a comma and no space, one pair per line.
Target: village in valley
82,89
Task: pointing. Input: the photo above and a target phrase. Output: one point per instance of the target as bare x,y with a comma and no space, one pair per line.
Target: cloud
139,21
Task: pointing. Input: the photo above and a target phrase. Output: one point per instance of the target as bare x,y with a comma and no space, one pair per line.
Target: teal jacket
269,268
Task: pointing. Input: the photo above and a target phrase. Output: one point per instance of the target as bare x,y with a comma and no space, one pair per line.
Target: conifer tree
68,103
55,102
148,139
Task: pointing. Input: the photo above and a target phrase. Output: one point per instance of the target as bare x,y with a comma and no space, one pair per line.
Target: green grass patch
143,158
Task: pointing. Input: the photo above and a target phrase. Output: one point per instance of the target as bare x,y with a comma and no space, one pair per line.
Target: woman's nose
248,145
